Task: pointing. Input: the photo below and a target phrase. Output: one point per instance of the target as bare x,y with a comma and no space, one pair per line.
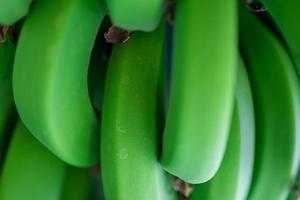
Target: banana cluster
149,100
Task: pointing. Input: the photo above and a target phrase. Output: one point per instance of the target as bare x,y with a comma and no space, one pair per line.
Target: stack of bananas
149,99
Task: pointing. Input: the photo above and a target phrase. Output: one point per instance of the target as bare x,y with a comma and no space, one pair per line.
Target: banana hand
30,172
232,181
277,106
202,94
129,147
50,77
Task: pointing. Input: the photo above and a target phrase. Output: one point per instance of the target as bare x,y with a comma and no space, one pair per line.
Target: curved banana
13,10
129,140
232,181
50,77
31,172
202,93
286,15
7,107
277,110
78,185
136,14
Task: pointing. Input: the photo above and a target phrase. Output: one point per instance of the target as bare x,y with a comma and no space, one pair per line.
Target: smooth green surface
7,108
286,15
50,77
129,143
141,15
13,10
78,184
276,102
30,172
202,90
232,181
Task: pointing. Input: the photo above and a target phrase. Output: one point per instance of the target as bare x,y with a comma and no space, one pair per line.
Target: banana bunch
149,100
52,179
237,166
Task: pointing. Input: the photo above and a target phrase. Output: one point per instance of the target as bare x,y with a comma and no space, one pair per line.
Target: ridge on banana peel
286,16
277,108
136,14
129,143
232,181
26,155
7,108
12,11
50,77
202,88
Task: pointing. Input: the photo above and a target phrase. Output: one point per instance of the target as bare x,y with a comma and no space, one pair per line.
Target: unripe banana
232,181
7,108
31,172
202,90
136,14
277,110
286,15
129,143
50,77
13,10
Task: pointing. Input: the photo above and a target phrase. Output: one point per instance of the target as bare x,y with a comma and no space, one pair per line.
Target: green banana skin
129,140
286,15
78,184
31,172
232,181
276,104
202,91
136,14
7,108
12,11
50,77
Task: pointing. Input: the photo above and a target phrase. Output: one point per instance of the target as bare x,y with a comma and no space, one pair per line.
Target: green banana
13,10
286,15
232,181
7,108
129,148
136,14
202,94
277,108
31,172
50,77
78,185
